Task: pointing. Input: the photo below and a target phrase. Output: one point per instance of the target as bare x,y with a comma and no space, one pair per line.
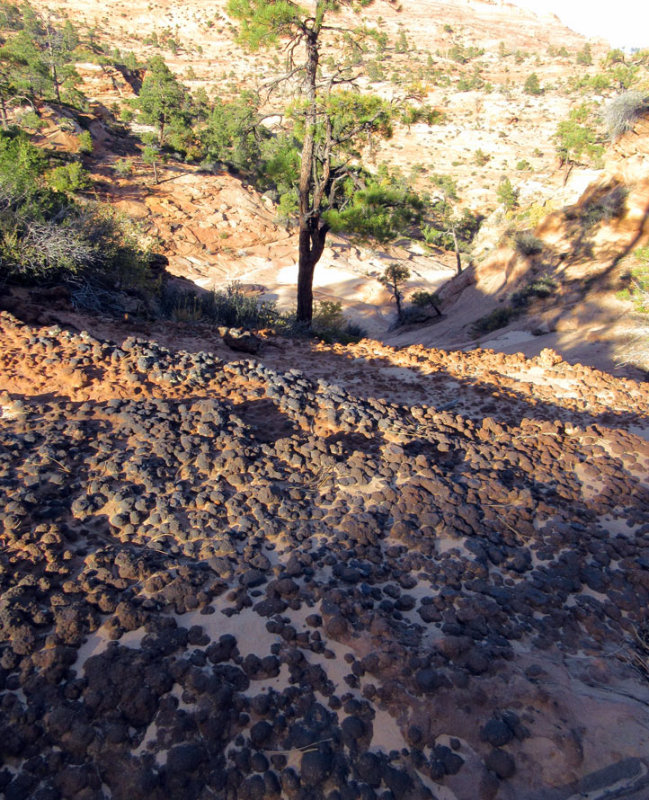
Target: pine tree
532,85
38,62
162,99
576,141
331,123
394,278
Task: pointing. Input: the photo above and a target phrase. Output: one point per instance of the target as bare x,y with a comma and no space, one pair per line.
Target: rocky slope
327,572
582,252
385,574
215,230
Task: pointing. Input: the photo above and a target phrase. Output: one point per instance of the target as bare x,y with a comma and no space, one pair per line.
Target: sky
623,23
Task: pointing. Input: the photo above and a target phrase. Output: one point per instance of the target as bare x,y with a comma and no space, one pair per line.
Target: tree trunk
436,307
568,169
311,238
311,245
306,267
456,245
55,77
3,110
397,300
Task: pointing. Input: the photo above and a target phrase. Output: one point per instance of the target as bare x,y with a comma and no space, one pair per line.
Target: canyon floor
319,571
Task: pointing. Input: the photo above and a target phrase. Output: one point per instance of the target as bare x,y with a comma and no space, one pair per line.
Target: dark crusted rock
353,729
252,578
429,613
336,626
501,762
368,767
398,781
429,680
496,732
222,650
241,341
260,733
315,767
452,761
290,782
252,788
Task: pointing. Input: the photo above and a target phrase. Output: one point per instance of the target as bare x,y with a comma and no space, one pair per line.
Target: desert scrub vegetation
329,324
424,300
526,244
48,233
622,113
494,320
638,289
602,205
233,307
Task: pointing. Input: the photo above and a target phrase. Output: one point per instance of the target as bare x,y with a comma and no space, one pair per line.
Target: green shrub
585,56
542,287
472,82
576,141
394,278
234,308
638,290
401,45
45,232
123,167
22,166
375,71
85,143
287,207
423,113
497,318
131,62
30,120
424,299
517,302
10,16
330,325
92,243
532,85
526,244
506,193
461,54
380,211
69,178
